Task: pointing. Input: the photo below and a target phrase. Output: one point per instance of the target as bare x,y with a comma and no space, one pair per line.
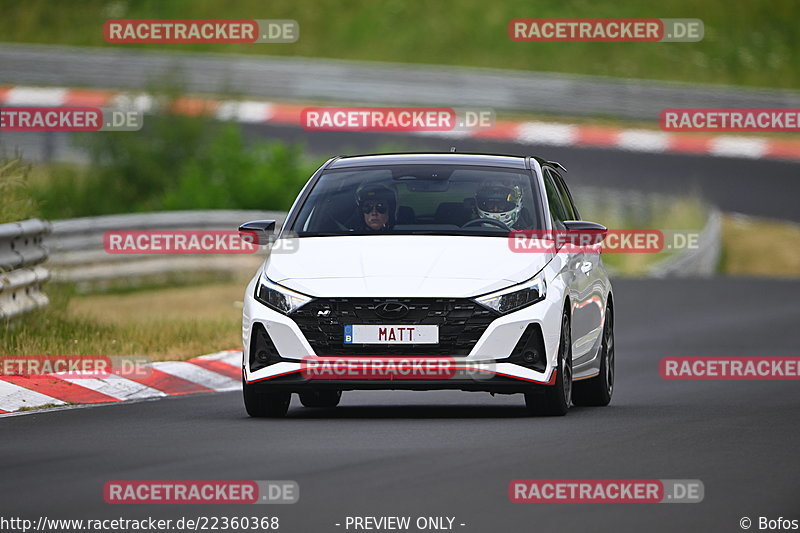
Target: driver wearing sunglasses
377,205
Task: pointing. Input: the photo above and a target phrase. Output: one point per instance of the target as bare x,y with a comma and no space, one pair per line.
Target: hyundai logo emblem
391,310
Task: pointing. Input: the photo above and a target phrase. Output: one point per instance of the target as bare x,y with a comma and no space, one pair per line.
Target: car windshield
419,200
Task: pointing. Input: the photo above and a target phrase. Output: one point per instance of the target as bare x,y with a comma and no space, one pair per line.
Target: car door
590,287
573,259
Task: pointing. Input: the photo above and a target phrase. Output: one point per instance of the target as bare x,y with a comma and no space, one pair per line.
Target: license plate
368,334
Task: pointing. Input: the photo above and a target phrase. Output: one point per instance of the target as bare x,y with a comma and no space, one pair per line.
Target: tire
597,391
556,399
264,404
320,398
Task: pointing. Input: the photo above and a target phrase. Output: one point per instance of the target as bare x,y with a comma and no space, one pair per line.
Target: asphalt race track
454,454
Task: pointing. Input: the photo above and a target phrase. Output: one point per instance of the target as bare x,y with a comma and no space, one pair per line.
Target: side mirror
585,233
263,230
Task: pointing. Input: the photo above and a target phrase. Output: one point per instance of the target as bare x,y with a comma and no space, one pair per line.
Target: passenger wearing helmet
377,205
499,202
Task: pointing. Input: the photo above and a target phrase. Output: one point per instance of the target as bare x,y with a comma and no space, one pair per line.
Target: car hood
402,266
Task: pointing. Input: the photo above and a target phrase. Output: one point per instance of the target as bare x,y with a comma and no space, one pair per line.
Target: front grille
461,323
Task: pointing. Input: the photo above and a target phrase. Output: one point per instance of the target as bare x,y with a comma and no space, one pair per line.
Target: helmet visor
369,205
495,204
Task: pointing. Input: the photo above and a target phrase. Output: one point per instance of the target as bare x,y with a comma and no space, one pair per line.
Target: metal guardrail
77,253
639,209
700,261
21,272
371,82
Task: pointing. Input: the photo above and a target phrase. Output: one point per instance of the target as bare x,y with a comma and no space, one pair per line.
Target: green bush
230,175
176,162
16,202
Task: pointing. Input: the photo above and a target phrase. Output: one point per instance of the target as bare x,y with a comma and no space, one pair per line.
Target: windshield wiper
499,233
325,234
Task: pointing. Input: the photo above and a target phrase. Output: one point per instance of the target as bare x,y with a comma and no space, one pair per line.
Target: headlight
515,297
278,297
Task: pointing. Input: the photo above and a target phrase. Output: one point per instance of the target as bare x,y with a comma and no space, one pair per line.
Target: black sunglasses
369,206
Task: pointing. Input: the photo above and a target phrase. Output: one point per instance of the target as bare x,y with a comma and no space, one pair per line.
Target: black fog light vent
262,350
529,350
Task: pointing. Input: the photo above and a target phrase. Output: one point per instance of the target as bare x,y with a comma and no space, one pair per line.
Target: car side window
569,206
557,211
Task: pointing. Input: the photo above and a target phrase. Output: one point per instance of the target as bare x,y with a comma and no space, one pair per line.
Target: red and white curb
548,133
217,372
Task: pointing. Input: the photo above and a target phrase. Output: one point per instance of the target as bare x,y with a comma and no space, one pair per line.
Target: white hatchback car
405,278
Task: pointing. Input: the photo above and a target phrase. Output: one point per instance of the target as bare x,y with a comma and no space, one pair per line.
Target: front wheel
265,404
597,391
556,399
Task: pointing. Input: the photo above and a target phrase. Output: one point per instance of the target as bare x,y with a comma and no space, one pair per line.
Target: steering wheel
490,221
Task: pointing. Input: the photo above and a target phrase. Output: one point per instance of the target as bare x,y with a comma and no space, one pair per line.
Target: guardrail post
21,274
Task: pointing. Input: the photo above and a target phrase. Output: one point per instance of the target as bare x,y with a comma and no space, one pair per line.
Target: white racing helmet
499,202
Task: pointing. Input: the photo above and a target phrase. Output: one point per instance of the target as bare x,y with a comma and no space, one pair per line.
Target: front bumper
289,378
484,368
486,377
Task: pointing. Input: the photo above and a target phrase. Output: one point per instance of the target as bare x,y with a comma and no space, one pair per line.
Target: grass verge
163,324
682,214
760,247
745,42
16,202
